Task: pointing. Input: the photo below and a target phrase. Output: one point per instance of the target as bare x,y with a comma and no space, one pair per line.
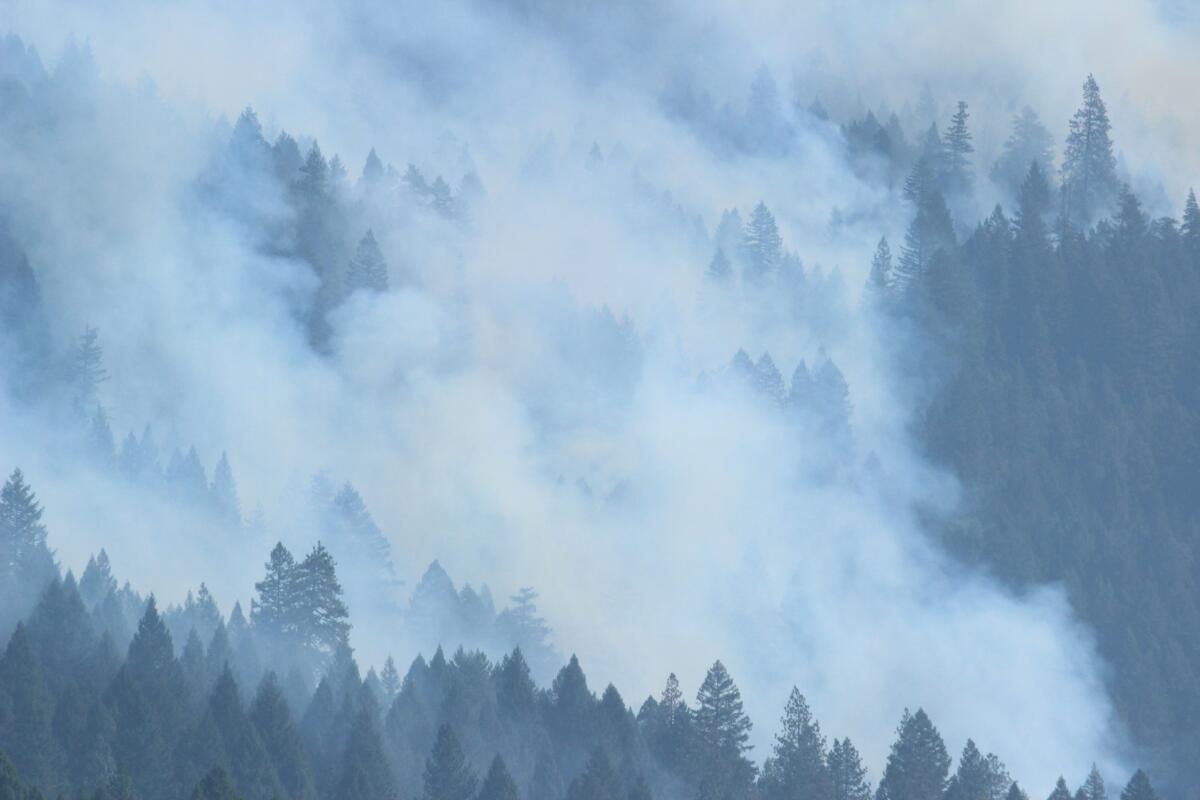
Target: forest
882,400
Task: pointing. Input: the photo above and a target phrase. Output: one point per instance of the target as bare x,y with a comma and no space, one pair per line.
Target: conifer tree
515,691
251,767
390,680
272,719
215,786
447,775
847,775
25,729
223,491
1191,224
599,780
367,270
365,774
1028,143
722,738
372,172
11,787
797,766
1089,167
1139,788
324,618
931,232
87,369
498,784
880,278
1060,792
764,247
918,764
719,269
97,581
1093,787
274,612
957,149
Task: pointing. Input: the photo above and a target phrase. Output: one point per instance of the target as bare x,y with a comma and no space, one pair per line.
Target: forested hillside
873,405
275,705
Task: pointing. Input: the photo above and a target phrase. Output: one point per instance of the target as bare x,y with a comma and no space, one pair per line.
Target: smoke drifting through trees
544,383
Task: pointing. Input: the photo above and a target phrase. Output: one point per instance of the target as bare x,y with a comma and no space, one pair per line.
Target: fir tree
367,270
1028,143
215,786
599,780
323,616
880,279
390,681
365,774
764,247
223,491
274,611
1191,224
1139,788
918,764
797,766
957,149
1061,792
87,369
498,784
847,775
447,775
1089,167
272,719
719,269
515,692
25,730
722,737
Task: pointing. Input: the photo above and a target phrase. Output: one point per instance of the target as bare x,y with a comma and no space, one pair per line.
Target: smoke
544,398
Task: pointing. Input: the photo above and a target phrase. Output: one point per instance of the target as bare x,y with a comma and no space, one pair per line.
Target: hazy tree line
274,705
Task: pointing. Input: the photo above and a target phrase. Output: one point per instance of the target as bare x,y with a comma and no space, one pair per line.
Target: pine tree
250,764
87,369
515,692
572,702
367,270
546,783
930,233
11,787
223,492
365,774
1139,788
1191,224
719,269
599,780
797,766
272,719
1028,143
1089,167
847,775
215,786
274,612
97,581
323,616
1061,792
447,775
25,730
1032,207
390,681
499,783
26,562
764,247
978,777
372,172
1093,787
918,764
957,151
880,278
722,738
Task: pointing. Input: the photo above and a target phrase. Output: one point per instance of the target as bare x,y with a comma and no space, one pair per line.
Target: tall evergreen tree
918,765
223,491
272,719
1030,142
599,781
797,768
447,774
215,786
1139,788
847,775
274,612
324,618
880,279
764,247
722,738
1089,167
1191,224
365,774
957,151
367,270
87,369
25,727
498,784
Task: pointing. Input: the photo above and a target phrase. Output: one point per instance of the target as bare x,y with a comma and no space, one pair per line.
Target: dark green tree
918,765
1089,167
796,767
847,775
367,270
1139,788
447,774
498,784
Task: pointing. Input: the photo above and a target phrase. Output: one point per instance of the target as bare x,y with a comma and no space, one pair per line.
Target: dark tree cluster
1069,410
82,716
